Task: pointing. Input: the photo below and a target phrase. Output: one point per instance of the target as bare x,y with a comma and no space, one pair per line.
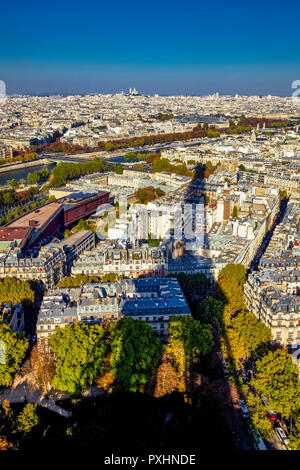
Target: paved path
22,393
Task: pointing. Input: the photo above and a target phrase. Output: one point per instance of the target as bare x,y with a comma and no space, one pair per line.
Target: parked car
282,437
272,416
244,410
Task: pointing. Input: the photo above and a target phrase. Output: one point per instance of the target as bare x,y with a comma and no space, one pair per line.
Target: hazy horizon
168,48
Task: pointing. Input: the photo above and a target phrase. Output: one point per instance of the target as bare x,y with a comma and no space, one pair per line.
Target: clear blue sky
166,47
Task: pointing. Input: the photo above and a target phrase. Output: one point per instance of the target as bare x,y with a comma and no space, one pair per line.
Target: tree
105,381
4,444
276,380
13,348
27,419
80,351
68,171
234,212
188,339
109,146
258,415
130,156
206,199
166,380
146,194
283,194
13,183
7,409
15,291
36,176
79,279
83,225
109,277
233,272
39,369
118,169
67,233
193,285
135,353
159,192
294,439
211,311
7,198
248,336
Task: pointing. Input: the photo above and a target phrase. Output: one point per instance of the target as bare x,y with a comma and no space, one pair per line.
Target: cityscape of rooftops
150,230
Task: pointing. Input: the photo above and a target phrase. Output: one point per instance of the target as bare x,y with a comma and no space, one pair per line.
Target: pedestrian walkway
22,393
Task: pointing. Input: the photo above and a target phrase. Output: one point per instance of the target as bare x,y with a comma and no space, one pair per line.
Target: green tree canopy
193,284
248,336
80,350
233,272
12,352
258,415
118,169
211,311
15,291
13,183
276,380
135,353
190,338
27,419
68,171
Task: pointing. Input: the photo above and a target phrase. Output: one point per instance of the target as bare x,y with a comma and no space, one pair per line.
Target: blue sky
193,47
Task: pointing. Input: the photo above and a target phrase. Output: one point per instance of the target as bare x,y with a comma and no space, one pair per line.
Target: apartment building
150,300
272,292
274,306
50,264
129,262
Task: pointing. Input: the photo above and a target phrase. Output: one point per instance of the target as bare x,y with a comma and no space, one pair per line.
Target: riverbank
21,172
20,165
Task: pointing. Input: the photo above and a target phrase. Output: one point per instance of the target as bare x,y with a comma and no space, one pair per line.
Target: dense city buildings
150,231
150,300
86,120
272,292
49,264
180,213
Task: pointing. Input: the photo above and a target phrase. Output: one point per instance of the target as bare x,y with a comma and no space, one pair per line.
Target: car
244,410
282,437
272,416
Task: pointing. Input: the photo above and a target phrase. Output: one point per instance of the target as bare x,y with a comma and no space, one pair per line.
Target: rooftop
38,217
